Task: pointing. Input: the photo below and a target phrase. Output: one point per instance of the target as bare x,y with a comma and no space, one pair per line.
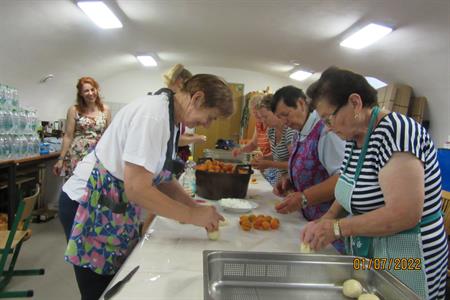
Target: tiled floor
45,249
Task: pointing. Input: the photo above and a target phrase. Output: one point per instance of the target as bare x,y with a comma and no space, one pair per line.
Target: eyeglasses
328,119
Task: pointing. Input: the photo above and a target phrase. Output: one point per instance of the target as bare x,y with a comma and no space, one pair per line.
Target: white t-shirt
138,134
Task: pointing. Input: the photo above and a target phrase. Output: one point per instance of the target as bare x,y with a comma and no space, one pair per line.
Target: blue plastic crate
444,163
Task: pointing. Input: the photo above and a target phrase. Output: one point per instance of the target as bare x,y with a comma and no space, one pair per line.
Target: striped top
398,133
280,150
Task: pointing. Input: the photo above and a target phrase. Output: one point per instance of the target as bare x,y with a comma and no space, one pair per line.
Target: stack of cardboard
417,108
395,97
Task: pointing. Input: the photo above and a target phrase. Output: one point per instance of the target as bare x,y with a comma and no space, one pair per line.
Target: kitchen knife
115,288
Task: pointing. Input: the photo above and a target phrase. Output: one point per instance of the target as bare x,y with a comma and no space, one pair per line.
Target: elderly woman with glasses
315,159
390,185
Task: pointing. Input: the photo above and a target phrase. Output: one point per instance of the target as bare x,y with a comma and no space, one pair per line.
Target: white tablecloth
171,261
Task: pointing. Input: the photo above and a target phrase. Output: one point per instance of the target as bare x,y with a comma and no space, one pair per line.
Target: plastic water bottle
189,177
2,120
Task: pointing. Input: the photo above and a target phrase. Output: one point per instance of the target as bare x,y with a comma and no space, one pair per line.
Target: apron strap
362,155
169,163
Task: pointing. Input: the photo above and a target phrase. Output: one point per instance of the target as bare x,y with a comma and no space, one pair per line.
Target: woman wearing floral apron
315,160
85,124
390,185
131,168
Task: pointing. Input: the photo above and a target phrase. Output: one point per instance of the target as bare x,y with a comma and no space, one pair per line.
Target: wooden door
228,129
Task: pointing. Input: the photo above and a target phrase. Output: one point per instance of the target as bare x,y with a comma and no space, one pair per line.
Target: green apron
402,245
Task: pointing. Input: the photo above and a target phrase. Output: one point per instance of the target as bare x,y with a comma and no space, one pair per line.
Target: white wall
124,87
53,98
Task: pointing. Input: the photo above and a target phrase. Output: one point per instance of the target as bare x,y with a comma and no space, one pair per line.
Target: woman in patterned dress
390,185
86,121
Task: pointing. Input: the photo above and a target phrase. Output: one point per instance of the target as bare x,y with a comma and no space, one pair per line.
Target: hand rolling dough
213,235
305,248
223,223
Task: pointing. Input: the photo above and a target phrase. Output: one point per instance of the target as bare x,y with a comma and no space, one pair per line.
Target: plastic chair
11,242
446,210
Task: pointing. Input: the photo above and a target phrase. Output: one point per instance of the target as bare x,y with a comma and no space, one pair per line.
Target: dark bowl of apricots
216,179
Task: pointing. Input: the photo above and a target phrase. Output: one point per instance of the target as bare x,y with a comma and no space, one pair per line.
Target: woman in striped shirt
390,185
280,138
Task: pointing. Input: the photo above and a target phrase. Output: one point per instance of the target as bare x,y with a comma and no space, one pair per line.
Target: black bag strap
168,164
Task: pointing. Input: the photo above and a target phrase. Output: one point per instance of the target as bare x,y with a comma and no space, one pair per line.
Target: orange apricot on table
266,225
260,222
274,224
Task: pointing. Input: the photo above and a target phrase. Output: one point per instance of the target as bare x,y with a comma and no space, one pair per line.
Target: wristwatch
304,201
337,229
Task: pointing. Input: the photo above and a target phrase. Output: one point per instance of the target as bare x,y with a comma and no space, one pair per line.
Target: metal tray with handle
285,276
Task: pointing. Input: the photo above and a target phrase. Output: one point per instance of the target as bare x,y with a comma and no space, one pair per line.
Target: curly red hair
81,104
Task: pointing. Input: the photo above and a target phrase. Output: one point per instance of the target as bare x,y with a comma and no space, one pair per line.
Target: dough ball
352,288
368,297
213,235
305,248
223,223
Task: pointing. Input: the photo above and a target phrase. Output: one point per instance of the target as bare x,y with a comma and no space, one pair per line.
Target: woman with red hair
86,121
85,124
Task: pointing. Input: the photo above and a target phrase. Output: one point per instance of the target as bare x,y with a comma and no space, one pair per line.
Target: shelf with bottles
18,137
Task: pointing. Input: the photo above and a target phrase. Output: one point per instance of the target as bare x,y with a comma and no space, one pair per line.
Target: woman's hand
199,138
318,234
206,216
236,152
290,204
58,167
282,186
260,163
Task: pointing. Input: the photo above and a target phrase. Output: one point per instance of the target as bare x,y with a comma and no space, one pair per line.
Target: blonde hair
176,72
265,102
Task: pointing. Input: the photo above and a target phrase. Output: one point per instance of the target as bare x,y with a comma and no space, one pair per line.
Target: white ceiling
261,37
54,36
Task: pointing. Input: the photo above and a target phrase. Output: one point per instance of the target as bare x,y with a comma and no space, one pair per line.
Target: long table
10,167
170,257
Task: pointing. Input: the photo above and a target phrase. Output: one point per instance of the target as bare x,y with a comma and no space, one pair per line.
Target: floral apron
106,225
306,170
405,244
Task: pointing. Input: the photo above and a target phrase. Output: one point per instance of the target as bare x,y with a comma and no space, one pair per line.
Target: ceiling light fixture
375,82
147,60
366,36
300,75
100,14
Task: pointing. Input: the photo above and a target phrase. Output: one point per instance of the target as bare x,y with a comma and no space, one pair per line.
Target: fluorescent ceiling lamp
300,75
366,36
375,82
147,60
100,14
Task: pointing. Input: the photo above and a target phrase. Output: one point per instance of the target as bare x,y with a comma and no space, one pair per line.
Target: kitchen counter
170,257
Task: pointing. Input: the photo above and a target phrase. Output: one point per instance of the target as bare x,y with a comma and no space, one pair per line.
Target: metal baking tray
226,156
235,275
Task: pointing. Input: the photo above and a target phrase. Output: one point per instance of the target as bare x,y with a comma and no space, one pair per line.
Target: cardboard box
417,106
395,97
403,94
